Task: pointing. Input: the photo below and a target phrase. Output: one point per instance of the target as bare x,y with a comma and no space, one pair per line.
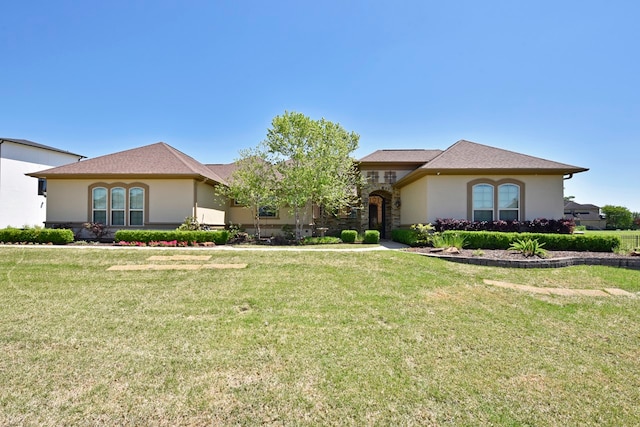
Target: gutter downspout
568,177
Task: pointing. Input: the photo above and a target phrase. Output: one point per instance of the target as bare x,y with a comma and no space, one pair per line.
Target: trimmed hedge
219,237
402,235
538,225
348,236
371,236
552,242
59,236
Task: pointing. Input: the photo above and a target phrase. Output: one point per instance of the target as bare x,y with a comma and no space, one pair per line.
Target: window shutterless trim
127,188
496,185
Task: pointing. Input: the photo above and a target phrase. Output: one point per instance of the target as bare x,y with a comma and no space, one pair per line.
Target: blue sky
553,79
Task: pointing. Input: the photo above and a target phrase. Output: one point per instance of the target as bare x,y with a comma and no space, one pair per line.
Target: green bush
59,236
528,248
408,237
448,240
371,236
219,237
326,240
348,236
552,242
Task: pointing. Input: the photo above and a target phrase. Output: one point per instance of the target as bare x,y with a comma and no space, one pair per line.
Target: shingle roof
224,171
37,145
466,155
574,205
153,160
401,156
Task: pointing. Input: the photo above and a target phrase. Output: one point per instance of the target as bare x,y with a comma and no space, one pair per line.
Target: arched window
99,205
136,206
482,202
117,206
509,202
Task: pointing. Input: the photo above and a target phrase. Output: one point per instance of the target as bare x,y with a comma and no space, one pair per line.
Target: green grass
310,338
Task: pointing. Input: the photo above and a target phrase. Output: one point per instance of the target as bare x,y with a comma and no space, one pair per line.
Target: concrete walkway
384,245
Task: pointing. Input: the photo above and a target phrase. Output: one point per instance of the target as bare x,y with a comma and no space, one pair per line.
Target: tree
313,164
252,183
618,217
636,220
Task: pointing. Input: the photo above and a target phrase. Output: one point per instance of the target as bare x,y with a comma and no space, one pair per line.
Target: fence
630,242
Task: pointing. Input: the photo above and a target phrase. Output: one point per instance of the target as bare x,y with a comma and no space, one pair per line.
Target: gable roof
36,145
466,157
151,161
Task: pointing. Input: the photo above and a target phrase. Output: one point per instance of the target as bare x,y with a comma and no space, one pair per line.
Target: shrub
58,236
348,236
553,242
371,236
528,248
219,237
448,240
539,225
326,240
408,237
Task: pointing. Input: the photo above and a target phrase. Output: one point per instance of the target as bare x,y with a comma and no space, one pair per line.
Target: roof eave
419,173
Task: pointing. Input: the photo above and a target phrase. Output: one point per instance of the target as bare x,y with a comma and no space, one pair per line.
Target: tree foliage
313,164
252,183
618,217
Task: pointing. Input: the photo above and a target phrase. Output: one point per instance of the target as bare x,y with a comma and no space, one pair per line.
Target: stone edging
620,262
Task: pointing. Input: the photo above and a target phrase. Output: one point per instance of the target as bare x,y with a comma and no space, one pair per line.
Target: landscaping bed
508,258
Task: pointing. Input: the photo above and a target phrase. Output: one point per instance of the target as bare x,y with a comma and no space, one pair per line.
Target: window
508,202
136,206
483,202
118,204
99,205
490,200
390,177
267,211
373,177
42,187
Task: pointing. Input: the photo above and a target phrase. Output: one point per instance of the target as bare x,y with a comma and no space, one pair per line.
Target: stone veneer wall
392,213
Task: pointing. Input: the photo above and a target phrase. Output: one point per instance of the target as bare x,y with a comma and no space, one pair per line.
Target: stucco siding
68,200
414,203
440,196
170,200
544,197
211,208
447,196
20,203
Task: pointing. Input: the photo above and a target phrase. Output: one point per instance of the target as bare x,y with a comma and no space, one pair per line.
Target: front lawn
310,338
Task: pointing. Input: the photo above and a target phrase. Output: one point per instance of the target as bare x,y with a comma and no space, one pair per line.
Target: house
23,198
154,186
157,186
466,181
587,215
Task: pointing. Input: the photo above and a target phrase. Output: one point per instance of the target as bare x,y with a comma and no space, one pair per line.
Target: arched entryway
379,213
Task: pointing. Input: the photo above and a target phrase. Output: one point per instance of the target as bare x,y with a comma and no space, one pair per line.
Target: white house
23,198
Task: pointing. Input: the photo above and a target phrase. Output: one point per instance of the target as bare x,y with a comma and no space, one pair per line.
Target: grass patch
310,338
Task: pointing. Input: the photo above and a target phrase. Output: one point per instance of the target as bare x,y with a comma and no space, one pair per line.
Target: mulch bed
505,254
553,259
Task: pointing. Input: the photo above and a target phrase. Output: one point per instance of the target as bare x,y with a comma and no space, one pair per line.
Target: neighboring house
157,186
588,215
466,181
154,187
23,198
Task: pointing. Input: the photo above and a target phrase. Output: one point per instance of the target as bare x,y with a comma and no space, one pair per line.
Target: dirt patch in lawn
607,292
